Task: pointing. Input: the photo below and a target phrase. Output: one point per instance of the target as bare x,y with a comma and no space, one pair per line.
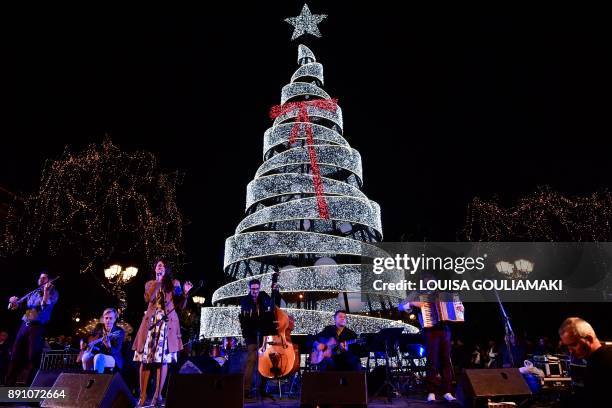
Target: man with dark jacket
336,336
106,352
256,321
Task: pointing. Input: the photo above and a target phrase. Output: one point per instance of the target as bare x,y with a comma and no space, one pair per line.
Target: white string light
305,23
314,70
275,185
327,155
285,222
294,89
223,322
314,112
280,134
341,209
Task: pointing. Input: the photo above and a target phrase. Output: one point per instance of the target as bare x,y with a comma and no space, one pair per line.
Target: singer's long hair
167,285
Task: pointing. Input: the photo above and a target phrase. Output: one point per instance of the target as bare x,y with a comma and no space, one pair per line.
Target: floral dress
156,345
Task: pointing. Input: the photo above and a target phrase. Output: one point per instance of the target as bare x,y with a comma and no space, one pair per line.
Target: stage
409,402
406,402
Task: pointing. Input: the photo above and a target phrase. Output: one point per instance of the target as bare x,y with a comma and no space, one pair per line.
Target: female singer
159,337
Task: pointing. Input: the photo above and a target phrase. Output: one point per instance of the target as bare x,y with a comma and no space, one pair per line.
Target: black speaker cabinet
496,384
46,378
345,388
217,390
87,390
200,365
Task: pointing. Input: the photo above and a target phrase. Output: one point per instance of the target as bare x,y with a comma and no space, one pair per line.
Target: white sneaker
431,397
449,397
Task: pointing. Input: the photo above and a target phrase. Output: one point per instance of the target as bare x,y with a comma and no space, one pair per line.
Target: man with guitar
331,349
29,342
103,350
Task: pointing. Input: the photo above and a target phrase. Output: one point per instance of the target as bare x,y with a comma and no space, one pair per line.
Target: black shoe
263,394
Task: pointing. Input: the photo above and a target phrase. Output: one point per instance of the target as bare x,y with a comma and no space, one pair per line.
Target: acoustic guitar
333,348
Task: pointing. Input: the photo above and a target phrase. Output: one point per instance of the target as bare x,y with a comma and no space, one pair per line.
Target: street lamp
116,272
199,300
118,278
520,269
505,267
524,266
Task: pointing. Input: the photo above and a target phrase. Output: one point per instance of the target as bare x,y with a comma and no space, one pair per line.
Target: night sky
443,104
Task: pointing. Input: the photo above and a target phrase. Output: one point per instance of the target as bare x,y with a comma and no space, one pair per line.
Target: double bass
278,356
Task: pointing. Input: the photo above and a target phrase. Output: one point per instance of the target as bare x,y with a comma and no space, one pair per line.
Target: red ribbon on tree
303,118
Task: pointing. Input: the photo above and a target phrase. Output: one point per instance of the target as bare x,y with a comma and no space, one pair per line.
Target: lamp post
520,269
199,301
118,278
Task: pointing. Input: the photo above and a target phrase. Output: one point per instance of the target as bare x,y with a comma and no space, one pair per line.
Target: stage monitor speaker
91,390
218,390
46,378
200,365
344,388
480,385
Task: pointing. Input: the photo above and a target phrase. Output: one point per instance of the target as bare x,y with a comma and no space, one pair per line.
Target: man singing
29,341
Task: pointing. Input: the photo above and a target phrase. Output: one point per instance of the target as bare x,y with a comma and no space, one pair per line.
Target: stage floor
405,402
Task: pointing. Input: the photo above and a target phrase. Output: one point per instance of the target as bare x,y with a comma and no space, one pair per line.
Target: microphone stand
507,328
166,313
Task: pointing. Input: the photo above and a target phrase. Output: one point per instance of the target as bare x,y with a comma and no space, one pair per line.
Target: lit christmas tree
306,214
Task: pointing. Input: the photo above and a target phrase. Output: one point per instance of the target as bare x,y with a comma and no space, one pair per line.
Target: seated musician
331,344
103,348
580,338
437,347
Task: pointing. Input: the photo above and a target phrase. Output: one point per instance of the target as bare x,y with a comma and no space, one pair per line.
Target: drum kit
221,351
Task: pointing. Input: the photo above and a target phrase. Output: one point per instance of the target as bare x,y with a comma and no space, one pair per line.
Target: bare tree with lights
545,215
95,204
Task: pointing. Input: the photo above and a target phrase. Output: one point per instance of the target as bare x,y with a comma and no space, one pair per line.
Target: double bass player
256,317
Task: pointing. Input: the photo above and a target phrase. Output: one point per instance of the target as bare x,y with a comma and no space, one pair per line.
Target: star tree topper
306,23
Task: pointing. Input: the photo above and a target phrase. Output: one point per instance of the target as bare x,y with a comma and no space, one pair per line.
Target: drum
229,343
220,360
215,350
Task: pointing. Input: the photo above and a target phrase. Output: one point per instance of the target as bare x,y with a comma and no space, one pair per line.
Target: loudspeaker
479,385
236,363
46,378
345,388
219,390
89,390
200,365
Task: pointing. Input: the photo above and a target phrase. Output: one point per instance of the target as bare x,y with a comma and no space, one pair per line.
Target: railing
54,359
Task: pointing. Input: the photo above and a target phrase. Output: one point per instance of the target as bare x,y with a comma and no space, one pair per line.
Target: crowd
494,353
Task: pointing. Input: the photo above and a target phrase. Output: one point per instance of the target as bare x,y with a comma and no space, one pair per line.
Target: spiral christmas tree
305,214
